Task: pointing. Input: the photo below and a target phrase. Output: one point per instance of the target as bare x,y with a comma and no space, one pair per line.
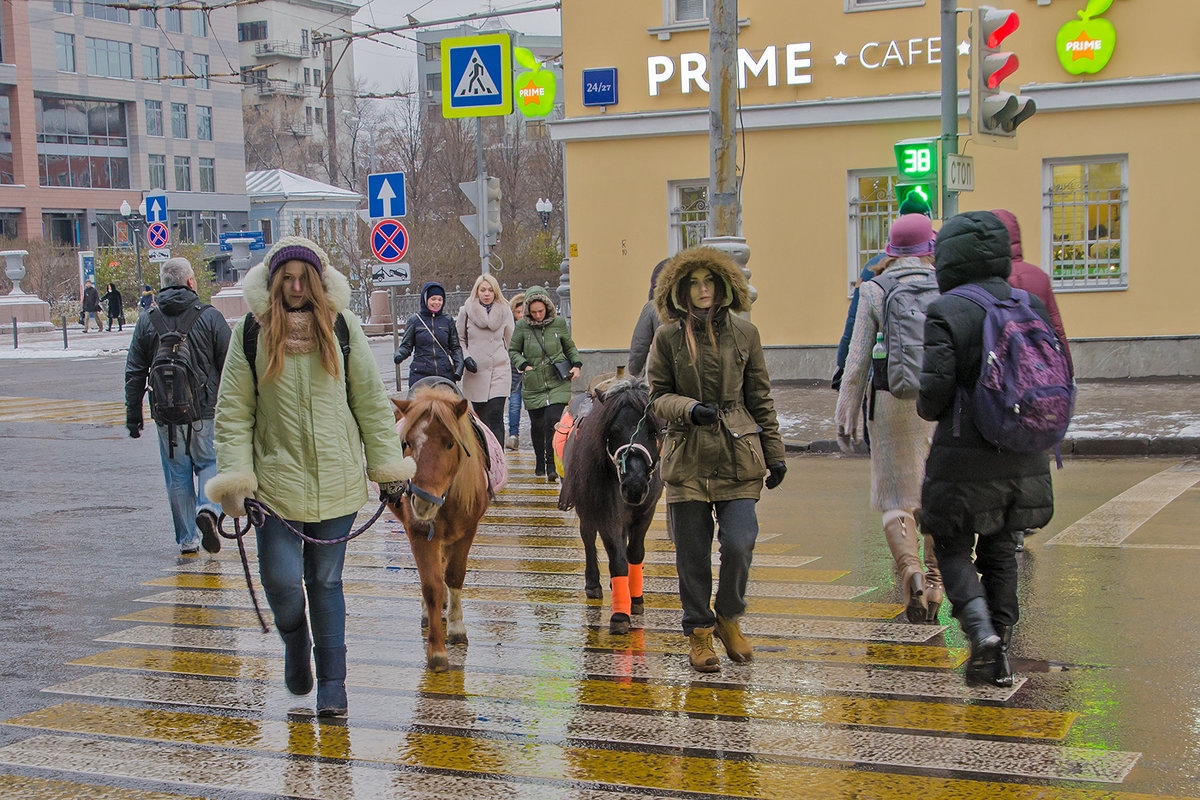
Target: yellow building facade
1099,178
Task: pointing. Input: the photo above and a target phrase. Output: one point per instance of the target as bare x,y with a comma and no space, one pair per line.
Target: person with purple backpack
978,490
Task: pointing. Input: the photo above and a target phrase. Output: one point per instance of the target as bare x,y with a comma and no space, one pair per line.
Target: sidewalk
1135,417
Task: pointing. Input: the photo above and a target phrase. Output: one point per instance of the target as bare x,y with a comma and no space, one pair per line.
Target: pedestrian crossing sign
477,75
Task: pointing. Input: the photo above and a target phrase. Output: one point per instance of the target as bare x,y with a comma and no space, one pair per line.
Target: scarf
301,333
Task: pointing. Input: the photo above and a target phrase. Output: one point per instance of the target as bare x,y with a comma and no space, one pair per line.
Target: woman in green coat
540,340
709,381
291,432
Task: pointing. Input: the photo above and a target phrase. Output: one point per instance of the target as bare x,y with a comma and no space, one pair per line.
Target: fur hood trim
538,293
256,288
737,290
390,473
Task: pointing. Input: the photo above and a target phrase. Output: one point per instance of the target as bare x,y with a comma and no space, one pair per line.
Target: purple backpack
1025,394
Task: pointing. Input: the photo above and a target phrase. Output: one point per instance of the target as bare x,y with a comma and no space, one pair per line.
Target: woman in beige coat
485,326
899,438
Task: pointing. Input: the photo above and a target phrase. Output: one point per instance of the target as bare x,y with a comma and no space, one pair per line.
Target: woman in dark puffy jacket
431,339
975,495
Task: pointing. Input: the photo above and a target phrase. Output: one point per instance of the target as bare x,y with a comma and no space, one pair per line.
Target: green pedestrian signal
926,191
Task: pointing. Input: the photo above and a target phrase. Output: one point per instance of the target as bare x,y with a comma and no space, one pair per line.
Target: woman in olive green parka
294,439
540,339
709,381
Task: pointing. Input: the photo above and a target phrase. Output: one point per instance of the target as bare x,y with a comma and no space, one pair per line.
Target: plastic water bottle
879,360
879,352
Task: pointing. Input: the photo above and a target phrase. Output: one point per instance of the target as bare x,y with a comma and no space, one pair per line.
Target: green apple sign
1086,44
533,91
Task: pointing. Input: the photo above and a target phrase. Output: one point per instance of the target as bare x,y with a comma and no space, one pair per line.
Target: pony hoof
424,622
594,593
637,605
438,662
619,624
456,638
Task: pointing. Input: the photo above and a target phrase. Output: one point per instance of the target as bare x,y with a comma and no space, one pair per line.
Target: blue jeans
514,411
289,567
186,473
692,523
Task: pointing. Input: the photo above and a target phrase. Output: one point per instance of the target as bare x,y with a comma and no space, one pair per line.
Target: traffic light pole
949,102
481,204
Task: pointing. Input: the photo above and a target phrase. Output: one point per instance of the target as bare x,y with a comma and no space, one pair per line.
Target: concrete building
285,73
1098,178
99,104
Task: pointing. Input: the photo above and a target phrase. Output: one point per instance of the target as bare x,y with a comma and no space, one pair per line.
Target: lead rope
256,516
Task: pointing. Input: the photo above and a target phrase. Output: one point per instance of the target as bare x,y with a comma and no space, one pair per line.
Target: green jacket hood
737,290
538,293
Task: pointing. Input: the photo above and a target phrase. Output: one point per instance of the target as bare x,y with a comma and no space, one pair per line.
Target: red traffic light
999,24
998,67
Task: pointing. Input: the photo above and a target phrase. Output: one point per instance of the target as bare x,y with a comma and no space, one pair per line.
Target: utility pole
949,102
481,185
725,209
330,108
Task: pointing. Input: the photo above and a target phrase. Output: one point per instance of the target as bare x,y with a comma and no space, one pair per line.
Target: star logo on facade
1083,46
964,48
839,60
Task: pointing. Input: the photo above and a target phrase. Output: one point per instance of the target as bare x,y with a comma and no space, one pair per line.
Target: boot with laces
702,657
730,634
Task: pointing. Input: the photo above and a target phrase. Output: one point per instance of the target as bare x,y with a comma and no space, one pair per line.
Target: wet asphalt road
1108,634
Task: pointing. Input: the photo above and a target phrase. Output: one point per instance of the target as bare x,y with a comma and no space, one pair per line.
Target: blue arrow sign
156,208
385,195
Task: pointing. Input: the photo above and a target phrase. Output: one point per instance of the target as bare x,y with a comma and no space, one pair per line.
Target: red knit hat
911,235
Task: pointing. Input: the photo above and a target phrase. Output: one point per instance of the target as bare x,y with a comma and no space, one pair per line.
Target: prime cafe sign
793,62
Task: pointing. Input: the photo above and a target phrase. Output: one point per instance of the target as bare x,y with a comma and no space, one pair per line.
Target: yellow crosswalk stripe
696,699
22,787
532,758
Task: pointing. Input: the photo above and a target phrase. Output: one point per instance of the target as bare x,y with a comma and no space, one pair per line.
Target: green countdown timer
917,160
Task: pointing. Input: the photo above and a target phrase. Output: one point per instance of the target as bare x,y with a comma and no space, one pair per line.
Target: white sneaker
511,443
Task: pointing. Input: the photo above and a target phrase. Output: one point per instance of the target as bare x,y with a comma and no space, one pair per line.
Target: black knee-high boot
331,680
976,623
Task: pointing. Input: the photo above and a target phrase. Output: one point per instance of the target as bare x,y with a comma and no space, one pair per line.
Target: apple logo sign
1086,44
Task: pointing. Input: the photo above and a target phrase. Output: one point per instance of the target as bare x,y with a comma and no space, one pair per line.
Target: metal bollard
14,333
65,332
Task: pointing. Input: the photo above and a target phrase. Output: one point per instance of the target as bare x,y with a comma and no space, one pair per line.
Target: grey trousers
692,524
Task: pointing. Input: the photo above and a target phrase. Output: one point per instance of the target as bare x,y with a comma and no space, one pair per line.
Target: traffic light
492,215
917,163
995,112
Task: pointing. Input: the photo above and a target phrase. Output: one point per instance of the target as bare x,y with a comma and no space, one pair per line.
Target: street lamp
544,207
136,220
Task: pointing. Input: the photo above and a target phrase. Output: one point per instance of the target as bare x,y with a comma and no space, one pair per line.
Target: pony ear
400,407
460,408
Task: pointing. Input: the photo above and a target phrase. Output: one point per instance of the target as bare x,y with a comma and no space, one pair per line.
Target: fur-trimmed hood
256,285
737,290
538,293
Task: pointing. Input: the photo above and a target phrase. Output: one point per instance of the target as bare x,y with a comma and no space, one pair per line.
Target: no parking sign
389,240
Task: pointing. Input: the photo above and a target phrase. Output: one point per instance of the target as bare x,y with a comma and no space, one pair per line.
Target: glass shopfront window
873,208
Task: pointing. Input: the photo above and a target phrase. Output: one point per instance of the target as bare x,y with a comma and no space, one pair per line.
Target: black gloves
457,377
703,414
836,382
392,492
775,474
469,365
135,429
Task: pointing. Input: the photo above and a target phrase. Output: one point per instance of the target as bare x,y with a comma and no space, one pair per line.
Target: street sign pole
949,106
481,188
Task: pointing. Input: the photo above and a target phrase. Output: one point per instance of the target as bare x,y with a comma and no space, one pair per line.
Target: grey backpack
905,303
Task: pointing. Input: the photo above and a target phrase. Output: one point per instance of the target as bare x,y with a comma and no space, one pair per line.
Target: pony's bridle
412,490
619,456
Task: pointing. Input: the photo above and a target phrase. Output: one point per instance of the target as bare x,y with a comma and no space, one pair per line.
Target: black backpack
175,380
250,347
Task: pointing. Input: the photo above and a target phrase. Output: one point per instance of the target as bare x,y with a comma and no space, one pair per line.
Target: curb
1128,446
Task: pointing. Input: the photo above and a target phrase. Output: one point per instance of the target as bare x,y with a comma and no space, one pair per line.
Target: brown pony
443,505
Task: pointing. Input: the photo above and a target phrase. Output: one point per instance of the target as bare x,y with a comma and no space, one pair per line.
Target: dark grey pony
612,481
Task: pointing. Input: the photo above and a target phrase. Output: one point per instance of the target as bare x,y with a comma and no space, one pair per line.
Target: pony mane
470,480
591,485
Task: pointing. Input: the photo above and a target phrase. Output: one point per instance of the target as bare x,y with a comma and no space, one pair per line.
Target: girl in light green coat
291,432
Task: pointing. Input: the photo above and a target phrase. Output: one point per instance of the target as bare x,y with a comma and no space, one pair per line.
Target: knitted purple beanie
293,251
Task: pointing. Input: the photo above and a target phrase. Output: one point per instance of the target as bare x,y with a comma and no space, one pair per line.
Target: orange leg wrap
620,595
635,580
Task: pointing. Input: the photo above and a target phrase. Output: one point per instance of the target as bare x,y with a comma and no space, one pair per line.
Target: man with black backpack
178,351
